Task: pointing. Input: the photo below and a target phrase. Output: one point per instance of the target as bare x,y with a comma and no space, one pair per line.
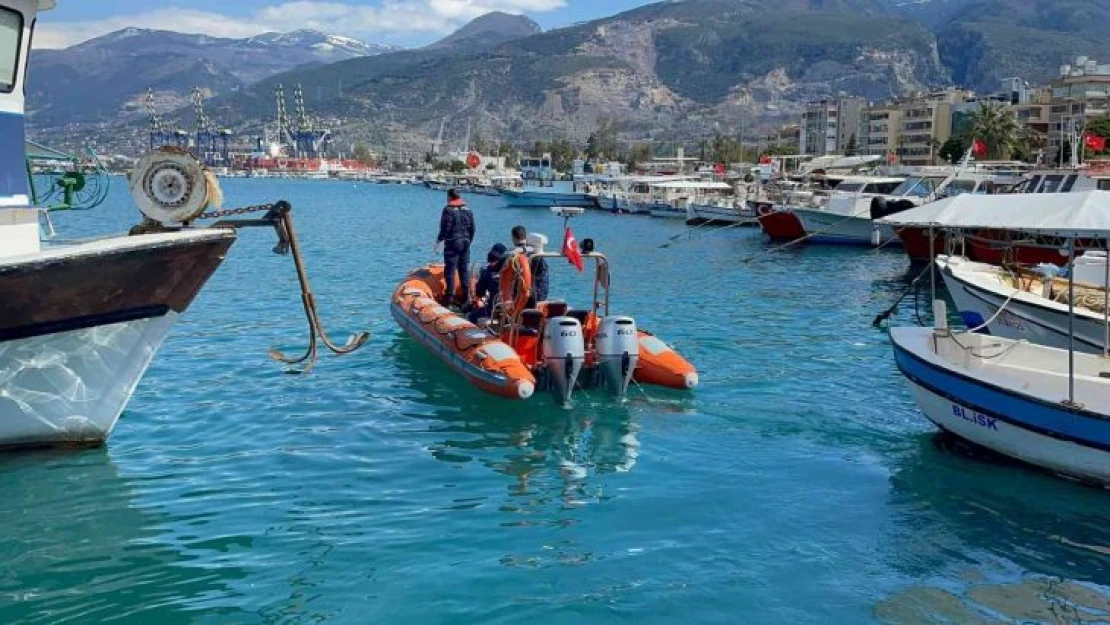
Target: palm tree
995,126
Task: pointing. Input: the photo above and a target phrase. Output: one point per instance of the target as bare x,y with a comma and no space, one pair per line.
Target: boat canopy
693,184
1083,214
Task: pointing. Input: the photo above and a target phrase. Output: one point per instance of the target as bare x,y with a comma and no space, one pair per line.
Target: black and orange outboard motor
882,207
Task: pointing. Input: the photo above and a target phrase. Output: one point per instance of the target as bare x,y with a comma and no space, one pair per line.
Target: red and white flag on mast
978,148
571,251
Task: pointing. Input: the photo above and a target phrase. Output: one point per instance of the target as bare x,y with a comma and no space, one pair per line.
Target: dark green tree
954,149
996,126
852,148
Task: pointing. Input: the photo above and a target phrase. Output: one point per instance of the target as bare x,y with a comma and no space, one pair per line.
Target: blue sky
401,22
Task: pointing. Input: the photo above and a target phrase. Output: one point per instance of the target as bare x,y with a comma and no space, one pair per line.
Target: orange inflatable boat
551,346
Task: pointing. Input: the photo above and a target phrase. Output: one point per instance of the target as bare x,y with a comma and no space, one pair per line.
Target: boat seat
580,315
556,308
531,320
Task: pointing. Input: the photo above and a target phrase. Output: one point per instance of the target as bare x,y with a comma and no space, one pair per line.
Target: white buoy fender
170,186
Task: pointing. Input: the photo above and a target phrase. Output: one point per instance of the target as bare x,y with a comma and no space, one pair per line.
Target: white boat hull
706,213
1050,453
1042,322
834,228
668,212
1008,396
70,387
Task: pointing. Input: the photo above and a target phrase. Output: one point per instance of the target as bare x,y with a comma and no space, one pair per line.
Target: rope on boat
912,288
793,242
690,231
280,216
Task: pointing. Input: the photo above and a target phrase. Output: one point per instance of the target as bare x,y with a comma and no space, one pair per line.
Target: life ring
516,283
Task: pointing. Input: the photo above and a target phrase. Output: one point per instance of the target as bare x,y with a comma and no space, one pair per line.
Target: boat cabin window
1034,182
1069,182
1052,183
1104,184
11,38
915,187
960,187
850,187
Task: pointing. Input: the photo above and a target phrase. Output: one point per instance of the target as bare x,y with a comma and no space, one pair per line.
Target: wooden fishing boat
549,346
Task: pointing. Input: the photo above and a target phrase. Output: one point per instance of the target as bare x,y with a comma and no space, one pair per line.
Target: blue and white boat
1039,404
558,194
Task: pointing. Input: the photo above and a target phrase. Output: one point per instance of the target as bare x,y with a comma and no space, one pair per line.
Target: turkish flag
765,159
571,251
1094,142
978,148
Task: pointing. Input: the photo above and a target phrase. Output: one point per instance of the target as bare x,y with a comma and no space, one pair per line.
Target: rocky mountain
668,70
488,31
107,77
674,65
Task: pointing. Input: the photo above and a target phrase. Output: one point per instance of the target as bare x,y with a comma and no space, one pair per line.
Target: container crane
211,144
160,132
308,141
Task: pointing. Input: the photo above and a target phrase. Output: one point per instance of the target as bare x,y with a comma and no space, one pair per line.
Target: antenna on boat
567,213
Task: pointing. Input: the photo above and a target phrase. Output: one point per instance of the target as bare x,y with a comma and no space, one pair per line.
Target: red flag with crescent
571,251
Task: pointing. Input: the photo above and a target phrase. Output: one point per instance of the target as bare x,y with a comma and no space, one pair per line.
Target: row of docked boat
694,198
846,209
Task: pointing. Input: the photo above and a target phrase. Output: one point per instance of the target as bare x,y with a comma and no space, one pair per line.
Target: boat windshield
11,35
960,187
915,187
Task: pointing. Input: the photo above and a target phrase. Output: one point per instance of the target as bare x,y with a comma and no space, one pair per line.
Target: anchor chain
279,216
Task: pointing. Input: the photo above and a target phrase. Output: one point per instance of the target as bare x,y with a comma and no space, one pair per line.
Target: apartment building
1081,93
827,126
910,130
879,126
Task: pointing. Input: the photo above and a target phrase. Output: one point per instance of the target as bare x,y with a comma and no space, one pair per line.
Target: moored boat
1018,303
547,197
778,222
81,322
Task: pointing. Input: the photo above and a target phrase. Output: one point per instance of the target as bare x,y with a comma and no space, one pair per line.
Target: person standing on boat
536,263
456,231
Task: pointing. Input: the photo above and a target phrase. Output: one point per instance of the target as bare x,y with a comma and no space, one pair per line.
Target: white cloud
390,19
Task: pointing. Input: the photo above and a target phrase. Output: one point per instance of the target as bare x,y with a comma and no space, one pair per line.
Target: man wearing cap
488,286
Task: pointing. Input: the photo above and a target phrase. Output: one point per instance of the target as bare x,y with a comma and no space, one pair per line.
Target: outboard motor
618,351
564,351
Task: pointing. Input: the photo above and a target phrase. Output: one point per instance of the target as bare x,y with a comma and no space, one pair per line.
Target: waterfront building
1081,93
829,126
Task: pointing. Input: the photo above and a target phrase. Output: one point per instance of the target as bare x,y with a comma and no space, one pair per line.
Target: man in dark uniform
456,231
537,264
488,286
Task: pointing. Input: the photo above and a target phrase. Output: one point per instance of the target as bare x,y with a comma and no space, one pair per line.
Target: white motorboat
846,217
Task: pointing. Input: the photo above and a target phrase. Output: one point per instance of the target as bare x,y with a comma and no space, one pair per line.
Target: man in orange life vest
456,231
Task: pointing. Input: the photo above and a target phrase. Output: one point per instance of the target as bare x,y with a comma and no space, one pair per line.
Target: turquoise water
799,484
